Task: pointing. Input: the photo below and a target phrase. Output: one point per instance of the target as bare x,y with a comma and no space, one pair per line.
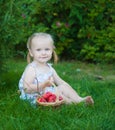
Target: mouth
43,57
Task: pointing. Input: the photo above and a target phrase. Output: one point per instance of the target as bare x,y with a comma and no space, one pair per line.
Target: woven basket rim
56,103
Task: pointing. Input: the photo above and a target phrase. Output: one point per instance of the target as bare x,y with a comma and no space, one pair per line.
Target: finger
52,80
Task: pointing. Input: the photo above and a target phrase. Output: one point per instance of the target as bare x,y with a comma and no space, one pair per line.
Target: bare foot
89,100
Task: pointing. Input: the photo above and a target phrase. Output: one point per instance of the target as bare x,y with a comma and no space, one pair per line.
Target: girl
39,74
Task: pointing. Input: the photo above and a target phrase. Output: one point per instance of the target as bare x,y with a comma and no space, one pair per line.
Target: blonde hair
41,35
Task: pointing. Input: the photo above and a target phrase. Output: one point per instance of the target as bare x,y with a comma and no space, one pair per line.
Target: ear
30,52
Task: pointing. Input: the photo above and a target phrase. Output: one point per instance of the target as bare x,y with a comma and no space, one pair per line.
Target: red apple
51,99
42,99
60,98
47,95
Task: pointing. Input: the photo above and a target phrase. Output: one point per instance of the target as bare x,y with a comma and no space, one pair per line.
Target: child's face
41,50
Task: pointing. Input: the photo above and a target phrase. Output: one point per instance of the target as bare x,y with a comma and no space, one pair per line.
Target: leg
69,92
60,93
70,95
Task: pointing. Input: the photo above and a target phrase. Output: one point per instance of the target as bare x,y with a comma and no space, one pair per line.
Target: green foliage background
82,30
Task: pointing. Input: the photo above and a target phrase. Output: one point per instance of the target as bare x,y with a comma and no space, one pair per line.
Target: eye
47,49
38,49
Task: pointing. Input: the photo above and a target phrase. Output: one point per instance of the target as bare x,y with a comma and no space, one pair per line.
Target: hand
48,82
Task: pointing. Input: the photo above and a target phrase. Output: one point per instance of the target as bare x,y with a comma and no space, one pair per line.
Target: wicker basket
56,103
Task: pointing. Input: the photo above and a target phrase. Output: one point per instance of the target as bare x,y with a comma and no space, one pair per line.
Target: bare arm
29,86
58,80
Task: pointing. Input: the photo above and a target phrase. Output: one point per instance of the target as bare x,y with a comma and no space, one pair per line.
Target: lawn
87,79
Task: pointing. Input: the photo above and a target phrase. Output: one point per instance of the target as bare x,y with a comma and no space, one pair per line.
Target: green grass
16,114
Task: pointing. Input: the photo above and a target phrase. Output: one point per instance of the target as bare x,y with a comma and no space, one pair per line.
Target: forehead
41,42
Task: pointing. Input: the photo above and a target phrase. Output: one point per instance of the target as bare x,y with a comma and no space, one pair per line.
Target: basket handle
57,93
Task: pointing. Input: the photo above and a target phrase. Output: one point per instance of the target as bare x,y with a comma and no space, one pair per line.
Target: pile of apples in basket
49,97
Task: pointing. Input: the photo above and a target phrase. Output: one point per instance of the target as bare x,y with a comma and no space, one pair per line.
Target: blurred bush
82,30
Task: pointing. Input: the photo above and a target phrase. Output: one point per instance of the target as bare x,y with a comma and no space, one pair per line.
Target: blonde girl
39,75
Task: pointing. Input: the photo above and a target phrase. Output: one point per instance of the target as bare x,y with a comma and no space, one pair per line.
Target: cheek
50,55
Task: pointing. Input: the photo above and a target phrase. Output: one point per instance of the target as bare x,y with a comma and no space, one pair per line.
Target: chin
43,62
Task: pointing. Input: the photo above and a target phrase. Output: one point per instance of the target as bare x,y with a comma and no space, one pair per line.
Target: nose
43,52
